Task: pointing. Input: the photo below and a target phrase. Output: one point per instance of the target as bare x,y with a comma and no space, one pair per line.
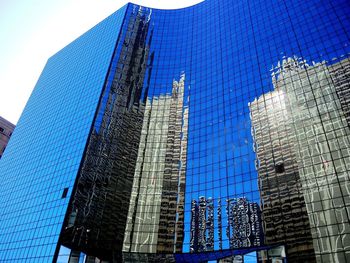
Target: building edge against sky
37,190
166,136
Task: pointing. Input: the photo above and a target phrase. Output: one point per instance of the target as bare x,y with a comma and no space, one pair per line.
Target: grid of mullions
227,50
254,149
46,148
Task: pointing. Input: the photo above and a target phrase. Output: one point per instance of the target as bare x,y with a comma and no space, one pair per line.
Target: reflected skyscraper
98,212
293,128
194,226
244,223
322,149
155,217
285,219
202,225
243,228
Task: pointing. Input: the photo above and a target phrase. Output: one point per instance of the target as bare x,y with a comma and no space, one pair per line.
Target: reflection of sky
227,51
64,253
250,258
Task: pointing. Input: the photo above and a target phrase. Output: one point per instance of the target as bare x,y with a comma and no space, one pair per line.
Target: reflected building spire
156,215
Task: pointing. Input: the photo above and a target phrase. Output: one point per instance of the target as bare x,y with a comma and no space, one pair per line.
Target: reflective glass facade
45,151
214,132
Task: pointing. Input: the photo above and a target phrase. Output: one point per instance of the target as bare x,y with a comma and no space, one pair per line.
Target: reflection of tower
194,226
202,225
244,223
294,130
219,215
179,230
283,207
172,205
318,108
210,225
155,218
99,208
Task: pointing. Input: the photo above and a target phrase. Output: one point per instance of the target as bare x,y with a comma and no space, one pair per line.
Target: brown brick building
6,129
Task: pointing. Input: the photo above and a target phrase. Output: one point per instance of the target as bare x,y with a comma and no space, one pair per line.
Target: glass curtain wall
223,129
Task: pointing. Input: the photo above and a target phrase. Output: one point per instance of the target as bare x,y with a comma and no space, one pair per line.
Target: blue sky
31,31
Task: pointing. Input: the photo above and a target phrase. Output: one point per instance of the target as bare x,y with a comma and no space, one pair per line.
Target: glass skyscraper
218,132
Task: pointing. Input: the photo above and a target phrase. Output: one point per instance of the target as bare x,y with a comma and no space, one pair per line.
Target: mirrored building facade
217,132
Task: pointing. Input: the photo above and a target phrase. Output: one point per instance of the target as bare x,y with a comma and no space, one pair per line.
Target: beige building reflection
310,111
156,211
